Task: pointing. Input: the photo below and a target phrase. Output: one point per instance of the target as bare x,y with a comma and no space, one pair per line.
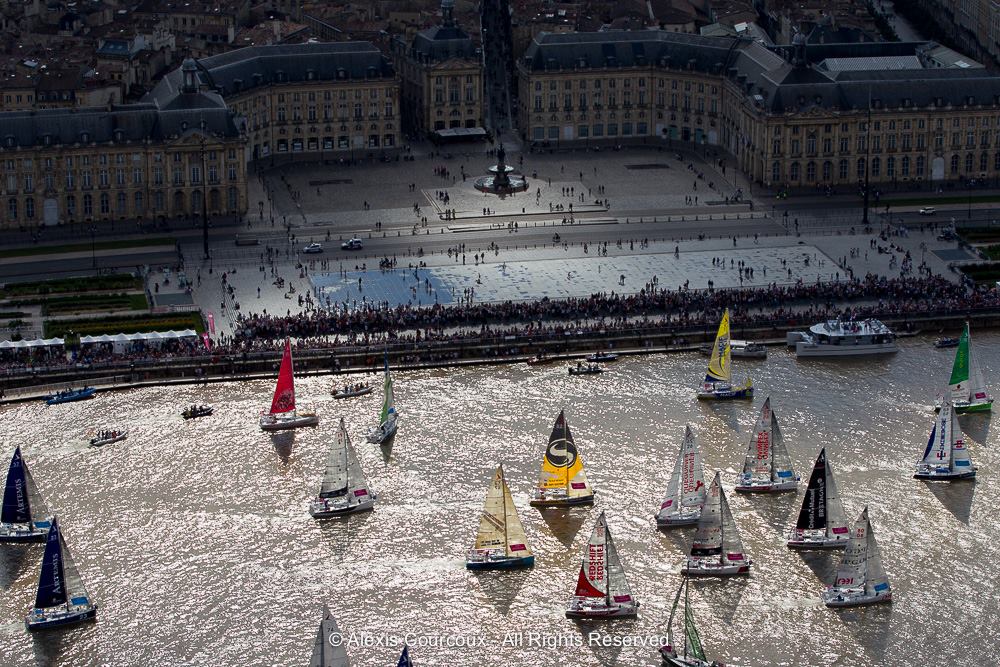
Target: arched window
70,205
876,167
984,162
793,171
968,163
890,166
905,169
12,208
827,170
88,205
105,203
776,170
139,210
861,169
920,165
844,170
122,204
810,171
954,164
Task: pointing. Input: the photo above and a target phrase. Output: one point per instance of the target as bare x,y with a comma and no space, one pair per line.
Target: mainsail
389,402
562,465
602,574
16,500
966,383
284,391
499,525
946,445
59,581
719,368
861,566
822,508
767,459
687,481
717,535
344,475
692,640
327,653
404,658
618,588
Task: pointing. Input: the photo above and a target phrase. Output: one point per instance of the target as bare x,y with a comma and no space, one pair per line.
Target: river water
196,541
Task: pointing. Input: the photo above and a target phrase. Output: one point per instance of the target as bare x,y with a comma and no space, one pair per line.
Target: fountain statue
501,180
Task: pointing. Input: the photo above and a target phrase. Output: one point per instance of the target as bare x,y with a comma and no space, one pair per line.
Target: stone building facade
793,116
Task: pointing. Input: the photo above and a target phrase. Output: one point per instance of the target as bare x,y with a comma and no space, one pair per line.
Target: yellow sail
562,465
719,366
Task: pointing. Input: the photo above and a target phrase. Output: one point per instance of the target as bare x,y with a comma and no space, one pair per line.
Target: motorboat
107,437
589,369
70,395
843,338
351,391
195,411
739,349
946,342
603,357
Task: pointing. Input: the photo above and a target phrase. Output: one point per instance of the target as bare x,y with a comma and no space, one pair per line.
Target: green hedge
117,325
117,281
84,247
97,302
982,273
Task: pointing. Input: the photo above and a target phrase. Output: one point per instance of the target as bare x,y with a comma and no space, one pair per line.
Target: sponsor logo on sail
561,453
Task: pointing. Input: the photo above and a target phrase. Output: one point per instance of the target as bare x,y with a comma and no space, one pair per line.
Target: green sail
960,371
694,641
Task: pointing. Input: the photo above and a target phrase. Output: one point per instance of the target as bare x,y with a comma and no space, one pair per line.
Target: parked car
352,244
313,248
927,210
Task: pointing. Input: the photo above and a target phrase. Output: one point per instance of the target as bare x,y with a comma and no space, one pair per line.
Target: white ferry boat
838,338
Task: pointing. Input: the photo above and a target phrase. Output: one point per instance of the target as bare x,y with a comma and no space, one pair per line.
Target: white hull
832,598
684,518
597,609
713,568
283,423
803,349
671,659
321,508
768,487
379,435
23,532
54,617
803,542
931,473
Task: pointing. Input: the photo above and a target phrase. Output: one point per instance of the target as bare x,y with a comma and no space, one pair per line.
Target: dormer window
184,126
46,139
341,73
119,135
84,137
310,74
9,141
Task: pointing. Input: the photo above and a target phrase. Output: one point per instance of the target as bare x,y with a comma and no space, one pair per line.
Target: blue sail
930,442
404,659
16,508
52,581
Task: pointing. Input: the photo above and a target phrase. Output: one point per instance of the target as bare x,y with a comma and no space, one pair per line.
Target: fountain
501,180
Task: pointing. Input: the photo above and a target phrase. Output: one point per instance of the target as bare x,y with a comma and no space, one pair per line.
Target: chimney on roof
799,50
189,73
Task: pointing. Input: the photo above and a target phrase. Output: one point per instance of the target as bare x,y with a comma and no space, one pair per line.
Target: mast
347,461
503,492
607,570
687,602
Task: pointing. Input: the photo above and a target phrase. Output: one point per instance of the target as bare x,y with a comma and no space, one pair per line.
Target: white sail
515,540
732,543
767,460
782,463
960,459
708,536
499,526
335,478
618,588
876,581
853,569
357,483
836,518
687,481
977,386
325,653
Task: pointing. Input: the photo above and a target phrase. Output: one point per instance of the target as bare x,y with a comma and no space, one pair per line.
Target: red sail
284,392
584,588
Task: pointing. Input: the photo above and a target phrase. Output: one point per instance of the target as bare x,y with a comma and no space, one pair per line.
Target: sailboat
822,523
327,652
563,481
767,467
61,598
602,590
404,658
692,654
283,415
718,384
966,387
686,492
717,550
500,543
945,457
345,488
24,517
388,417
860,579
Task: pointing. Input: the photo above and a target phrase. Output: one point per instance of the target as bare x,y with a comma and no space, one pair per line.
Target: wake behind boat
945,457
860,579
108,437
344,489
70,395
966,388
717,549
388,418
283,415
62,598
686,491
24,517
718,383
692,654
822,523
767,467
602,591
500,543
563,481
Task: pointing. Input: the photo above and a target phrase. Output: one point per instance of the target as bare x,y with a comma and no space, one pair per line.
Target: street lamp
93,247
970,199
